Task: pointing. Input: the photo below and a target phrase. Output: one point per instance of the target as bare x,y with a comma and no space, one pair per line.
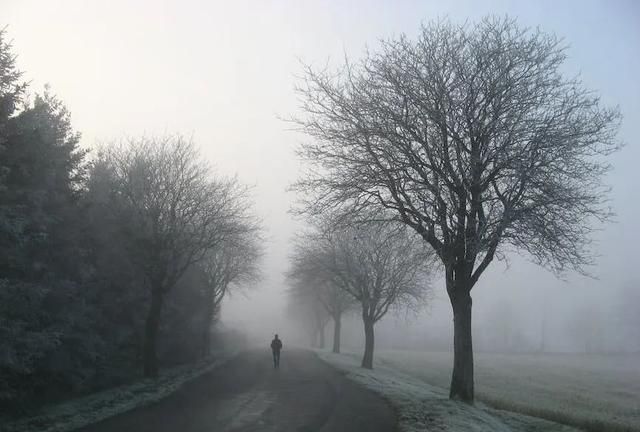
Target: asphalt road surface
247,394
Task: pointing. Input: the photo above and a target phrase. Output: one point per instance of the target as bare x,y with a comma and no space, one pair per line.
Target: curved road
247,394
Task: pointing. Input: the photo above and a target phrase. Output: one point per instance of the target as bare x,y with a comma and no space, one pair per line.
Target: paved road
247,394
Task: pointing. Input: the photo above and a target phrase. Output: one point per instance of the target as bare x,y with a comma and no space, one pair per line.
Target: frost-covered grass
592,392
76,413
423,407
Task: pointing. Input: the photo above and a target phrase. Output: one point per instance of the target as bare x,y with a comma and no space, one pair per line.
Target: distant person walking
276,346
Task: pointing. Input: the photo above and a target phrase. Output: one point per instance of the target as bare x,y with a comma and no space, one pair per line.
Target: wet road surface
247,394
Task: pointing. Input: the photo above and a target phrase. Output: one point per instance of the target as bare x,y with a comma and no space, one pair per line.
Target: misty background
224,73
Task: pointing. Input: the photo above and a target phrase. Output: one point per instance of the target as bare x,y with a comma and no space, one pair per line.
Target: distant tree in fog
305,310
177,212
234,260
502,328
379,265
586,326
471,136
629,317
307,278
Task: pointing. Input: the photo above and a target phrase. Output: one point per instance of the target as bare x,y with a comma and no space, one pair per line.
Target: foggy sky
223,72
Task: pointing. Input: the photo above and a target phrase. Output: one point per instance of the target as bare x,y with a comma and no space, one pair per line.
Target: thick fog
224,73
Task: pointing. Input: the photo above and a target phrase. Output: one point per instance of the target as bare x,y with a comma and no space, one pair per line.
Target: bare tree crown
469,134
181,210
379,265
310,276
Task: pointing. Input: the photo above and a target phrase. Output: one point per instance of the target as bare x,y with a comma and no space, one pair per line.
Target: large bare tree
178,211
472,136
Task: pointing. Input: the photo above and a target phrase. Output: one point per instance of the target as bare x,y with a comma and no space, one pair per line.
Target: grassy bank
592,392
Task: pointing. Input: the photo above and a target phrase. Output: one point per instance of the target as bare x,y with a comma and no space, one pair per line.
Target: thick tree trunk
367,358
462,376
150,360
337,325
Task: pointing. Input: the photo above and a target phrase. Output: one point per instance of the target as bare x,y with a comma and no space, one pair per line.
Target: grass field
422,407
592,392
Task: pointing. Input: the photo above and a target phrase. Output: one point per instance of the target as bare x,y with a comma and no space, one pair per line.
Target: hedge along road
247,394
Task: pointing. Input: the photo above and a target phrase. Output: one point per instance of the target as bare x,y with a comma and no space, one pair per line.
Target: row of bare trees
371,267
179,215
471,136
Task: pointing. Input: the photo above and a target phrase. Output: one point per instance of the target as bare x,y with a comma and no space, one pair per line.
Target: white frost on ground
422,407
77,413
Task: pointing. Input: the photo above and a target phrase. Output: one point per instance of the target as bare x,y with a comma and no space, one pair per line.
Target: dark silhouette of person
276,346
